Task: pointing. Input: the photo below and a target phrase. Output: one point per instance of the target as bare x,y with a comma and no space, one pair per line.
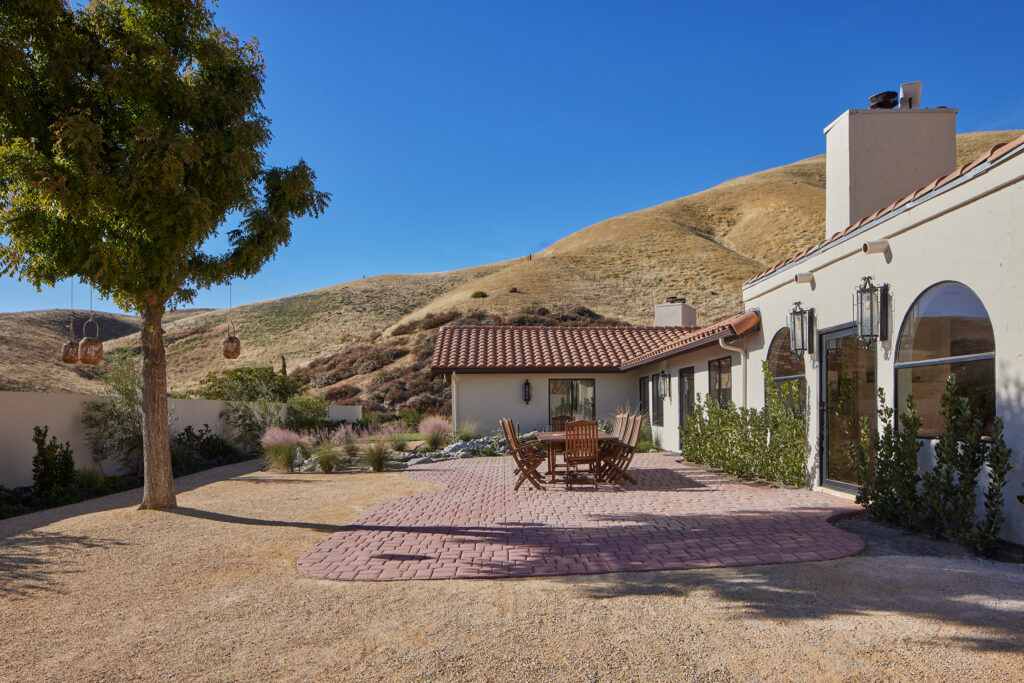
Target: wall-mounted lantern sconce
801,337
803,279
526,392
664,385
872,312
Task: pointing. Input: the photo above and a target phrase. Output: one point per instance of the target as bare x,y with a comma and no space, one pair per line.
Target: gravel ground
100,591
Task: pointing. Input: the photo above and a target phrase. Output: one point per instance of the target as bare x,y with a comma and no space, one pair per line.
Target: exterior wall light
801,338
871,312
664,385
527,395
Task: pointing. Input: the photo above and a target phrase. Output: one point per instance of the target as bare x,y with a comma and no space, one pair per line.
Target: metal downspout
742,350
455,402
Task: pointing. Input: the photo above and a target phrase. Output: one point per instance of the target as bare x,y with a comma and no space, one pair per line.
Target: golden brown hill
702,247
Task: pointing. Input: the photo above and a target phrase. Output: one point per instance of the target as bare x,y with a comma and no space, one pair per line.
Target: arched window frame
783,380
924,433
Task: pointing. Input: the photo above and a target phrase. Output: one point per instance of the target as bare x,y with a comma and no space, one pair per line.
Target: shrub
646,446
411,417
341,392
513,290
889,485
279,446
194,450
468,430
12,502
435,430
376,454
53,466
114,423
478,295
249,384
768,443
306,413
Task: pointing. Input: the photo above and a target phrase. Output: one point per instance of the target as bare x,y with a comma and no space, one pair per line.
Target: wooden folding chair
614,468
581,449
526,456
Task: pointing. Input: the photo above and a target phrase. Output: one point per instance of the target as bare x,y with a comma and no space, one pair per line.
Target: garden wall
62,413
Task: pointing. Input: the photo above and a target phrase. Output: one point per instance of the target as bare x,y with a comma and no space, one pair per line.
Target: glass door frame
837,332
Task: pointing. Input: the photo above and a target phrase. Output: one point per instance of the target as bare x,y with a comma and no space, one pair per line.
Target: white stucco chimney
675,312
876,156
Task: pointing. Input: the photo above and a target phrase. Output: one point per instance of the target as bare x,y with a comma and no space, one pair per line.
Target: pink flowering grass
279,436
435,430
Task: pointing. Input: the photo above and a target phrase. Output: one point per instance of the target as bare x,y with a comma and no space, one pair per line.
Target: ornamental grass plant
435,431
279,446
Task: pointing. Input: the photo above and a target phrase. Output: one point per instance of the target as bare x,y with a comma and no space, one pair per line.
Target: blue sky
457,133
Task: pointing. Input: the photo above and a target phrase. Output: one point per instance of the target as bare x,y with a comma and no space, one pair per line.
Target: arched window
947,332
787,370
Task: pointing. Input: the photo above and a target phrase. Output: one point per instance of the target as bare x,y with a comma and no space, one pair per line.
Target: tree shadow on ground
34,520
899,573
29,562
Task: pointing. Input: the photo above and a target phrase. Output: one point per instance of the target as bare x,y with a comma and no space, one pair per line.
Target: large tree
130,131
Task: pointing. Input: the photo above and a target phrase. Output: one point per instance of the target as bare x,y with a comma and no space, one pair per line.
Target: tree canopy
129,133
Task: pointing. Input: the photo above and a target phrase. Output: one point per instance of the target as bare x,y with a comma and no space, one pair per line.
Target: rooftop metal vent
884,100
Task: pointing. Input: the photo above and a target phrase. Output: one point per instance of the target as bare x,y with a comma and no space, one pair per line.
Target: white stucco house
944,250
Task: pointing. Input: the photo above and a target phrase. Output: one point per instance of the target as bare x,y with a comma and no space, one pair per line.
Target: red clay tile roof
988,157
607,349
734,326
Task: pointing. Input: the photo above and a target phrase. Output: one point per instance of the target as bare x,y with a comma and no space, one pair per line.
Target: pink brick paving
677,516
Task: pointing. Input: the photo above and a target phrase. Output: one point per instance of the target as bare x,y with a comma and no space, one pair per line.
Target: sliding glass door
575,399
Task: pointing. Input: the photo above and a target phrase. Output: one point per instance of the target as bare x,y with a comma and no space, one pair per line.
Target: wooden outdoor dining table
554,439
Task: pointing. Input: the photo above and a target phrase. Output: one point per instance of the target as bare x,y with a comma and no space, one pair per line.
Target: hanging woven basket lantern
69,352
232,344
90,349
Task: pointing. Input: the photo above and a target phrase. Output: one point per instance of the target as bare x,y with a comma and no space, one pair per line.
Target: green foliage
113,424
889,484
53,465
478,295
949,490
410,417
130,131
768,443
943,500
326,458
248,384
306,413
280,457
646,446
376,454
194,450
12,502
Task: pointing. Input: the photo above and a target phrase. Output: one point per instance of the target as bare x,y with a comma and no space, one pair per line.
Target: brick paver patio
677,516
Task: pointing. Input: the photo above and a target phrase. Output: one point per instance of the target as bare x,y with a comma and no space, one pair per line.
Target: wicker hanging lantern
69,352
90,349
232,345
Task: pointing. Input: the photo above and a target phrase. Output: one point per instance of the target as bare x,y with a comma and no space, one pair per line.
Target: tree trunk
158,482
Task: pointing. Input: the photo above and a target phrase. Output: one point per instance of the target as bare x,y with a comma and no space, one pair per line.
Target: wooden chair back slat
581,440
558,423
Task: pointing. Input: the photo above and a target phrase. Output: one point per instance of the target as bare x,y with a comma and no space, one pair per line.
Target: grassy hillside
702,246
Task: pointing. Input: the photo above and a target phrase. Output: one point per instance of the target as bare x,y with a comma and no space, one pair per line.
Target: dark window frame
645,391
715,374
573,392
687,395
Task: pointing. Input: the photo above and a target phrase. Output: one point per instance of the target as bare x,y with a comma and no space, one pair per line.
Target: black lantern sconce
526,392
871,312
664,385
801,337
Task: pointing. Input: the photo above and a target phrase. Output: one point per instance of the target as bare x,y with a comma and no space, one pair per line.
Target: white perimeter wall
973,234
62,413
